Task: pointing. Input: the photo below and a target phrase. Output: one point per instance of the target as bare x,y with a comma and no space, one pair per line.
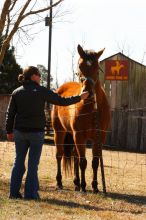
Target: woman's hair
27,73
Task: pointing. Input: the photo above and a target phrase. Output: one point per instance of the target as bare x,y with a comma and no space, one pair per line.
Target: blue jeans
24,141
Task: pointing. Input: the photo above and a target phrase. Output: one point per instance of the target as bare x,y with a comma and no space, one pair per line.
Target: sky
117,26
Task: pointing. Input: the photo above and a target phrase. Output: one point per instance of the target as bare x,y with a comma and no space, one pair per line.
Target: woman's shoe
16,196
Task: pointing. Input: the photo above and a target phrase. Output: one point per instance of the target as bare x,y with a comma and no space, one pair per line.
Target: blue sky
115,25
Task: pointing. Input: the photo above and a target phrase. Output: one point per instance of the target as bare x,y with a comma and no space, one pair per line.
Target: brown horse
76,124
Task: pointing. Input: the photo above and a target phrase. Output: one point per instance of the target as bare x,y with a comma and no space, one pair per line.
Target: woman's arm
56,99
10,115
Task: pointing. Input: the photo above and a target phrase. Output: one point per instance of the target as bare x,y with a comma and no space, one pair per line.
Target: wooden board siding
128,130
4,100
128,105
131,92
143,133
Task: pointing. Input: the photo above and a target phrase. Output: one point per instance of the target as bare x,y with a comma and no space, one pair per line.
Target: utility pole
48,22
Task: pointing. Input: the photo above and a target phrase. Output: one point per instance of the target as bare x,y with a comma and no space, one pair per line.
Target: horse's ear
81,51
99,53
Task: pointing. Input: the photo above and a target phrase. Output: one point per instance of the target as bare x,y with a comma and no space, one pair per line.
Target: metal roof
124,57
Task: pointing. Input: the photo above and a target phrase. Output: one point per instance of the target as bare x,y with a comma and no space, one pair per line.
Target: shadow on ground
134,199
139,200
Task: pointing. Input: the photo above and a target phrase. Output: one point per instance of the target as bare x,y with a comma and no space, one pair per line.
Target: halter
89,63
83,78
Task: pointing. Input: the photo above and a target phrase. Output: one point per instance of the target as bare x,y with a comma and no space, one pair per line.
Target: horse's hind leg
76,171
59,140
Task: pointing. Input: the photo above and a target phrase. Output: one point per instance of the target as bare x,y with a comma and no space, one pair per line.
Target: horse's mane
90,55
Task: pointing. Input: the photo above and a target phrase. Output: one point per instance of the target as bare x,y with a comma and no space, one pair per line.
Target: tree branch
42,10
3,15
7,8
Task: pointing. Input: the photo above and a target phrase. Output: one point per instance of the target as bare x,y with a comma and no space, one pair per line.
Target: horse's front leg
59,140
83,165
81,148
95,164
96,151
76,171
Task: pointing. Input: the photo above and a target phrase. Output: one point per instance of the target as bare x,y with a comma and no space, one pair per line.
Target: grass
125,180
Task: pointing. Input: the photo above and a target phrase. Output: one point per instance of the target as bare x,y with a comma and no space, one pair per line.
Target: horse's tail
68,153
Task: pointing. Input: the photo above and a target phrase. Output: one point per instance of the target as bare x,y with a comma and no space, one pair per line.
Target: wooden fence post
102,174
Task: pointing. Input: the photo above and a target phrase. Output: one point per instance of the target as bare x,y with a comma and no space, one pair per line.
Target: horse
74,125
116,69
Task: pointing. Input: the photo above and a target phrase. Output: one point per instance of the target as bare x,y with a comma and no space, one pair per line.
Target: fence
4,100
124,171
128,130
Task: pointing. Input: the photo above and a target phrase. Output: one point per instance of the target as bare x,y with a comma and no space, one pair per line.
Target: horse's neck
98,95
98,86
99,92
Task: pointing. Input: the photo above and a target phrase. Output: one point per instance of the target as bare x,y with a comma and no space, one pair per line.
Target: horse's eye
82,79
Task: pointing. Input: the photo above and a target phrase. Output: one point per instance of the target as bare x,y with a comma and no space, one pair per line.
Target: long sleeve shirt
26,107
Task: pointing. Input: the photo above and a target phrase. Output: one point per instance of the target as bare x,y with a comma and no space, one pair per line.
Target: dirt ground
125,175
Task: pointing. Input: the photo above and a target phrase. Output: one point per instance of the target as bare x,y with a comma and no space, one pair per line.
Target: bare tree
56,83
73,52
17,15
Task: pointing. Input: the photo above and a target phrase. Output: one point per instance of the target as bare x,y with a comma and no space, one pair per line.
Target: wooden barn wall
128,107
4,100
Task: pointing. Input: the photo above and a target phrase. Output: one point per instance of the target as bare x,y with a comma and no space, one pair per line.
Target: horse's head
88,68
88,85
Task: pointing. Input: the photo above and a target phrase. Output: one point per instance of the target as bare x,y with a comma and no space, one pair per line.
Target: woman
26,119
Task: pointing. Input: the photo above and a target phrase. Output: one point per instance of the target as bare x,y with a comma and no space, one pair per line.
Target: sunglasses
38,74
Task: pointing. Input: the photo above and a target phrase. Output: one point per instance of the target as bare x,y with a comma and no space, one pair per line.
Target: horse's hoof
95,191
77,188
59,187
84,190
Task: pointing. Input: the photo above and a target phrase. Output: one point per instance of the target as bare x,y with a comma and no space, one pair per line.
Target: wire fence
124,171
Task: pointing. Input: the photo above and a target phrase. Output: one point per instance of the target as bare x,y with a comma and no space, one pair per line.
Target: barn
124,81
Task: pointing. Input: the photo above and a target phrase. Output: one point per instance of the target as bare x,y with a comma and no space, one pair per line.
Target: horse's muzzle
91,93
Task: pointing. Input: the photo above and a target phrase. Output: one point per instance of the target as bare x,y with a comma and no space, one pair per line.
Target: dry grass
125,179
